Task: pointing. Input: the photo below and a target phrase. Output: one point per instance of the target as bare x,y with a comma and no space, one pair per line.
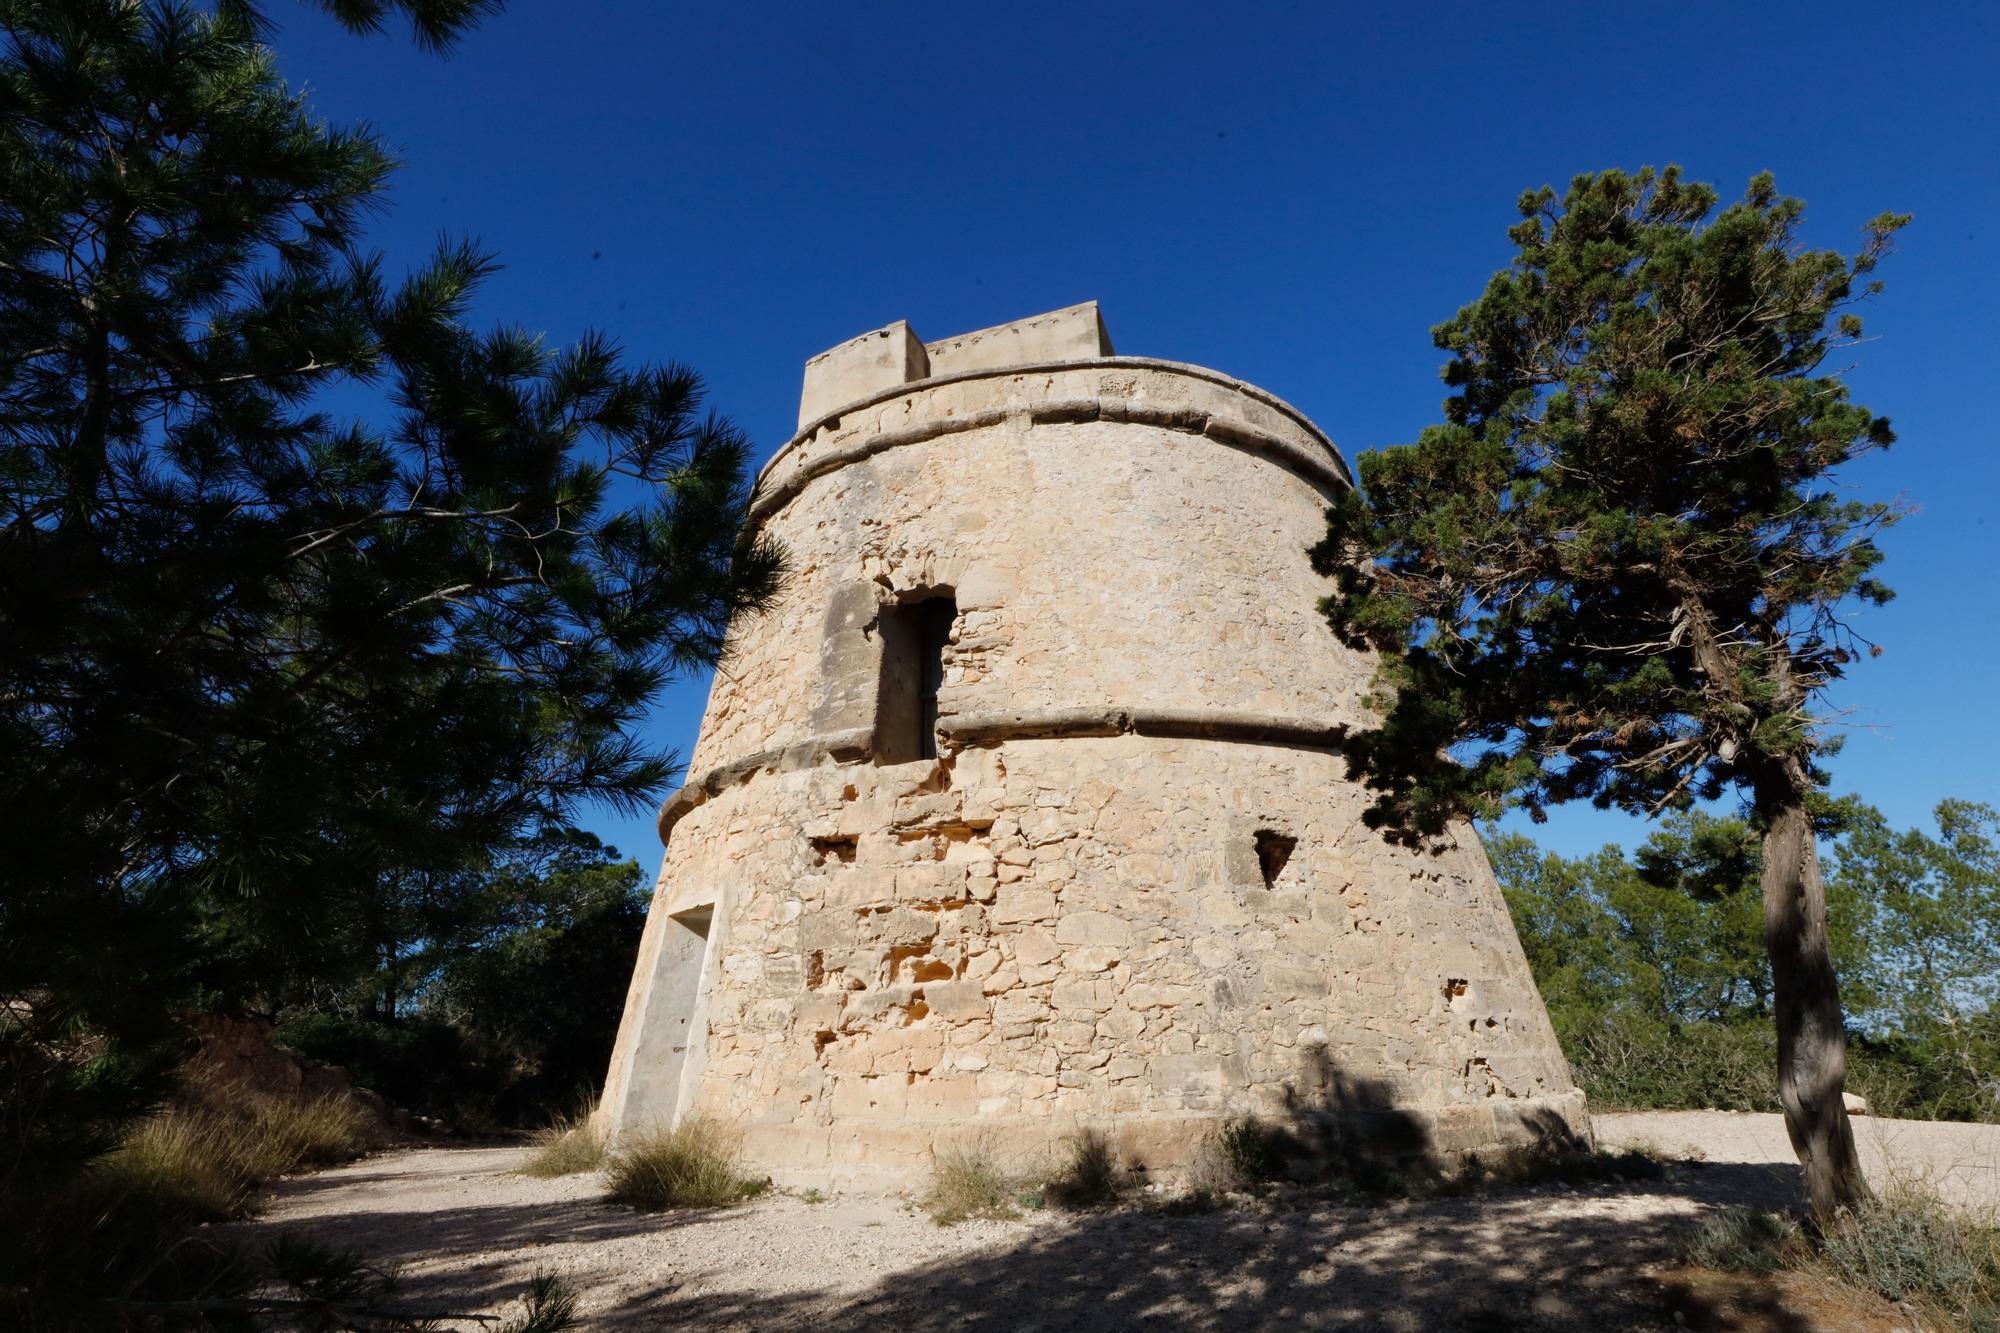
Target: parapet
886,357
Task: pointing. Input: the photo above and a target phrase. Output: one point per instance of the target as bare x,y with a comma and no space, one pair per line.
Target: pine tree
1617,571
1932,911
261,653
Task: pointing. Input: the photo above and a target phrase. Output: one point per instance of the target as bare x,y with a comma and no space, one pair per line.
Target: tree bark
1812,1033
1805,993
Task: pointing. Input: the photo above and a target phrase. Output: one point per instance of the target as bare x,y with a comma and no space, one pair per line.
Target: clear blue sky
1292,194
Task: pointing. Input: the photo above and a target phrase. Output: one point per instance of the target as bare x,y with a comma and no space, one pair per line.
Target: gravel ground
1959,1161
468,1233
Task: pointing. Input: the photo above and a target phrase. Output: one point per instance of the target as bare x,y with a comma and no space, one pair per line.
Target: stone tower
1024,809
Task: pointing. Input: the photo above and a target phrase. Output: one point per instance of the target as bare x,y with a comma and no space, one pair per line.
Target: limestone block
943,1098
862,886
861,367
1070,334
902,926
1086,994
883,1098
931,882
1093,928
957,1002
1021,904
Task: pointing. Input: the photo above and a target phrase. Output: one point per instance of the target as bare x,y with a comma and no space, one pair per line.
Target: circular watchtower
1024,808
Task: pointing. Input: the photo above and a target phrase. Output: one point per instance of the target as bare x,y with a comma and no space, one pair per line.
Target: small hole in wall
821,1040
1274,849
839,848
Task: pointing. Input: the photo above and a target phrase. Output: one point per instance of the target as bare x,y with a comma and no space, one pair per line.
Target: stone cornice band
1327,473
1012,724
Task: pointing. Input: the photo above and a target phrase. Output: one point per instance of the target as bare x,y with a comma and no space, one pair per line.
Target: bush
1906,1246
693,1165
1642,1065
1235,1157
422,1064
566,1146
966,1183
1090,1175
1249,1151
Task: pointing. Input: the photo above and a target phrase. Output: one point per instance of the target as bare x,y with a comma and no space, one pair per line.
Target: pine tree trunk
1812,1034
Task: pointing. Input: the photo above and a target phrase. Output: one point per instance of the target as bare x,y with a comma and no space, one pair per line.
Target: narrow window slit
914,638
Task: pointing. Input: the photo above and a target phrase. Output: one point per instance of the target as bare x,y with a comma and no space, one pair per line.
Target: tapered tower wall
1132,887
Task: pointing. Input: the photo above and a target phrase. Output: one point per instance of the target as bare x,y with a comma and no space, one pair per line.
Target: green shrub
1906,1246
565,1146
428,1066
1642,1065
1249,1151
1090,1174
693,1165
1235,1157
1548,1163
966,1183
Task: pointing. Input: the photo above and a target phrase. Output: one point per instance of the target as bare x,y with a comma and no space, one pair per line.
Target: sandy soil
1960,1162
468,1234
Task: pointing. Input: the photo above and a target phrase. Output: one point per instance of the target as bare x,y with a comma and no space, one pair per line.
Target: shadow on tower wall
1344,1127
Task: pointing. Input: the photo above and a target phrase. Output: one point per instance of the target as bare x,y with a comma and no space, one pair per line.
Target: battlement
886,357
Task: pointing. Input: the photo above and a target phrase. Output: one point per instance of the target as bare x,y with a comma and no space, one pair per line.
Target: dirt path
469,1233
1960,1162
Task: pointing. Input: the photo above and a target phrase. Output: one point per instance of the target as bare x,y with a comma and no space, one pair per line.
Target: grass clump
124,1227
1090,1174
966,1183
1745,1240
1248,1151
201,1161
695,1164
1237,1157
565,1146
1906,1246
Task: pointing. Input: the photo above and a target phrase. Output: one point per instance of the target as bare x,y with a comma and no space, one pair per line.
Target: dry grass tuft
696,1164
1230,1160
966,1183
566,1146
203,1161
1091,1175
1745,1240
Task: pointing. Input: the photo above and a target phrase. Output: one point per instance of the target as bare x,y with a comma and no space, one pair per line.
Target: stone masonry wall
1134,889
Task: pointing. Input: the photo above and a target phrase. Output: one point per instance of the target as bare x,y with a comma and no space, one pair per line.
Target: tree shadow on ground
468,1257
1540,1258
1595,1253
